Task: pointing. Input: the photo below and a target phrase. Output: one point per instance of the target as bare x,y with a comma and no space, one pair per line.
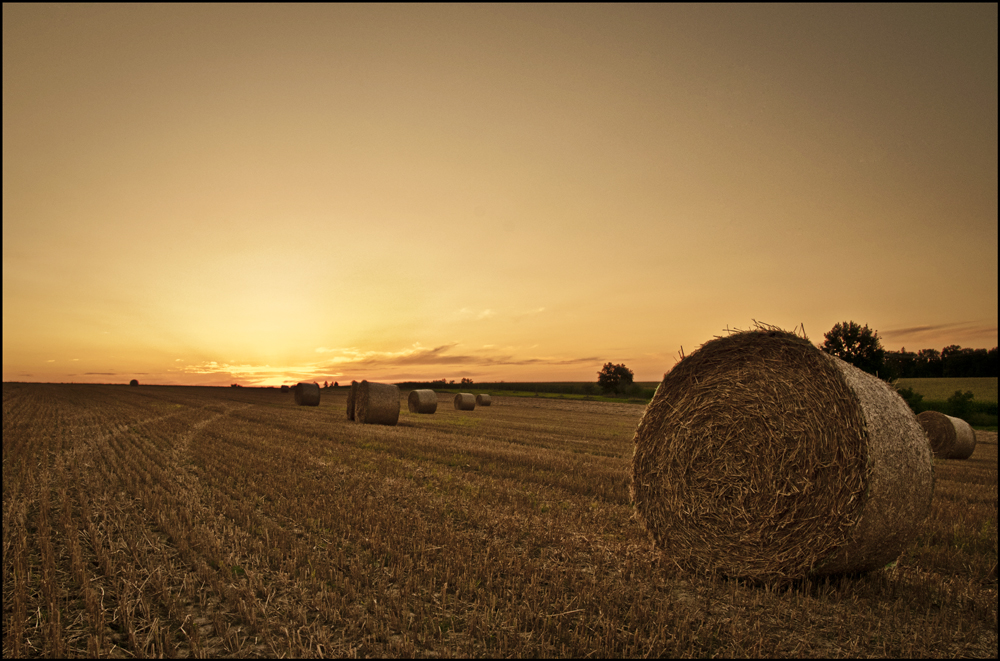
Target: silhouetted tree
899,364
614,378
928,364
956,361
858,346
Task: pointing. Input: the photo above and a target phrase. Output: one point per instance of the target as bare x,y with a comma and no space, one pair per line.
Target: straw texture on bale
762,457
351,399
307,394
376,403
422,401
951,438
483,400
465,401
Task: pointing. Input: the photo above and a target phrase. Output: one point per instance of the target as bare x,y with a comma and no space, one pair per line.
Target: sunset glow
262,194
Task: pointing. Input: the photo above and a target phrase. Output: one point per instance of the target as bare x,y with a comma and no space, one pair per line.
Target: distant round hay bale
951,438
284,388
376,403
133,382
351,399
483,400
465,401
762,457
307,394
422,401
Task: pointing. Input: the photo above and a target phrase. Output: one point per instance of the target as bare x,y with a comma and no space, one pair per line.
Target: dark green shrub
913,399
961,404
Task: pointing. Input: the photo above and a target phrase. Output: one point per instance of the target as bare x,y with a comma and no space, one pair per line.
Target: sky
263,194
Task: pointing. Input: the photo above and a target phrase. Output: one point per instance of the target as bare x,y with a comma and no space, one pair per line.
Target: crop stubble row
156,505
208,522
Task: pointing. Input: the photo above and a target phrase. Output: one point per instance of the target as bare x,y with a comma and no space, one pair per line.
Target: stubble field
140,521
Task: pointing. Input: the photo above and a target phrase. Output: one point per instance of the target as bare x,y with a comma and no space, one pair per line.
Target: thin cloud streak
355,361
915,330
935,334
440,356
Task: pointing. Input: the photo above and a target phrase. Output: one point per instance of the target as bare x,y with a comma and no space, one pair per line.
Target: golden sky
270,193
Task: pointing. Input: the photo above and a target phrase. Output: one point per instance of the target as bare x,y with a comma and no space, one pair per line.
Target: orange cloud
351,360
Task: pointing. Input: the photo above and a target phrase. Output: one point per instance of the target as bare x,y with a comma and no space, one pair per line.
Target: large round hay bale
483,400
465,401
376,403
307,394
951,438
351,399
133,382
762,457
422,401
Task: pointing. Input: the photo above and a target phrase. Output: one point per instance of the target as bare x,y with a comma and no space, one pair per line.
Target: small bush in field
913,399
961,404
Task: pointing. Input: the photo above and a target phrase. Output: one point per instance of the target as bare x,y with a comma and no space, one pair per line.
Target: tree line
953,360
862,347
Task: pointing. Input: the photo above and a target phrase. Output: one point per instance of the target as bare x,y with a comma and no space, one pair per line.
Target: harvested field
229,522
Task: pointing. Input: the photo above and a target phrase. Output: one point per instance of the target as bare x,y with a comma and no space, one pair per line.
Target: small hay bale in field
284,388
951,438
465,401
351,395
483,400
422,401
762,457
133,382
307,394
376,403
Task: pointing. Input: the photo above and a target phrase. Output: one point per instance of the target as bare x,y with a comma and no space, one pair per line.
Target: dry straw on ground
950,438
422,401
376,403
465,401
483,400
307,394
351,395
762,457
